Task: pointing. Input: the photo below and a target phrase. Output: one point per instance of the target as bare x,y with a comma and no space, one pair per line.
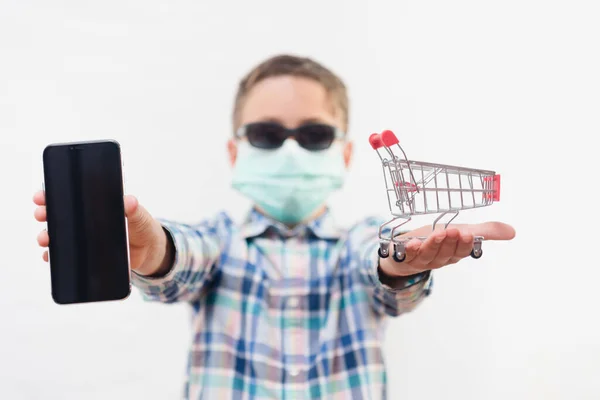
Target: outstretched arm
442,247
399,287
170,261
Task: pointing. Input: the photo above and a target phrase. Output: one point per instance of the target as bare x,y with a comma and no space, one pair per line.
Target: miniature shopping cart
419,188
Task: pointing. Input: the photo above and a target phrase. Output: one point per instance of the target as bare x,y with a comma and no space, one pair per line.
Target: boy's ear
348,150
232,150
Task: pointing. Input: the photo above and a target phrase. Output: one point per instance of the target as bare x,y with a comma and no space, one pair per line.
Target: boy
286,305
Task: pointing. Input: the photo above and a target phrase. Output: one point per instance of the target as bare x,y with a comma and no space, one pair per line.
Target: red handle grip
388,138
375,140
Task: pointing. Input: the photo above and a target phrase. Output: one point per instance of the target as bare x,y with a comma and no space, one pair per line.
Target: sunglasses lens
265,135
315,137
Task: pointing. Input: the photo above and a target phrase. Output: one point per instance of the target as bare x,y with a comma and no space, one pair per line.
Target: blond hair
294,66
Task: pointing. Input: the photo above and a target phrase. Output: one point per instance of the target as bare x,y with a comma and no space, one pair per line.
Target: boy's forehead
289,100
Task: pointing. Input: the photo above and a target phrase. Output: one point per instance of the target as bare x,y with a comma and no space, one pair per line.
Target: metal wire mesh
418,188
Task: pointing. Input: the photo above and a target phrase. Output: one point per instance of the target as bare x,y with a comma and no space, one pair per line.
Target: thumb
131,205
139,220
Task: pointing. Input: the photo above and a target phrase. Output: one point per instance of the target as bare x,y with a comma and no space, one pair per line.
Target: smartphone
88,251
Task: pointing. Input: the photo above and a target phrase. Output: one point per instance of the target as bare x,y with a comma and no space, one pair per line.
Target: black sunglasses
271,135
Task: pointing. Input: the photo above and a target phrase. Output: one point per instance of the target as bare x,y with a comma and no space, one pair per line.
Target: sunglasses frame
291,132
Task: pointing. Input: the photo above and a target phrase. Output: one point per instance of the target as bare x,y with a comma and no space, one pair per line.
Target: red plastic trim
409,186
388,138
375,140
497,187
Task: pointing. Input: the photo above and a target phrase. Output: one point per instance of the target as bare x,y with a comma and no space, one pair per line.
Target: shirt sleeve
197,251
389,297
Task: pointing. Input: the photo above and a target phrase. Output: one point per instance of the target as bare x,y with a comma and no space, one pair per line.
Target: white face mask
288,183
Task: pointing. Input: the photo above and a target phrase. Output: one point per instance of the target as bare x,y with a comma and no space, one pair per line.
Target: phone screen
86,221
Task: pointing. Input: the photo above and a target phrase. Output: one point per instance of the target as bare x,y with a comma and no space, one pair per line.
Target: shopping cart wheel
399,259
383,254
476,253
383,250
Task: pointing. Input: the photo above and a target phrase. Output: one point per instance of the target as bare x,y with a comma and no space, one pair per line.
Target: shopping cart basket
419,188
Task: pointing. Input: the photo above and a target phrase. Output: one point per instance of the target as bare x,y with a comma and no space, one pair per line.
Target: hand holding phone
151,252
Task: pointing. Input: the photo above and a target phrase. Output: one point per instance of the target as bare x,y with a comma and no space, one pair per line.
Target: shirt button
293,302
294,371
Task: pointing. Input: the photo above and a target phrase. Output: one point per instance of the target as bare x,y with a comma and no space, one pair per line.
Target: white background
511,86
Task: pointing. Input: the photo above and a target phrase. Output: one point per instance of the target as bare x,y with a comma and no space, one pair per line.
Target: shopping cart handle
375,141
388,138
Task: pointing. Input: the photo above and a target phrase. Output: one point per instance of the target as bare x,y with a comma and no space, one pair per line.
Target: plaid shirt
280,313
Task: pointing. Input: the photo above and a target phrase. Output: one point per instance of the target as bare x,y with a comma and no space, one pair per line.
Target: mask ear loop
239,132
342,136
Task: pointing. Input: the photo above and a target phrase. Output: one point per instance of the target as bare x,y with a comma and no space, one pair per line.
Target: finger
40,214
465,245
404,268
45,256
431,246
140,222
39,198
131,205
447,249
43,239
490,230
412,249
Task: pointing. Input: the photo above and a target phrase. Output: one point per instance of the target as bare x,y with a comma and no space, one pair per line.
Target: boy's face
291,101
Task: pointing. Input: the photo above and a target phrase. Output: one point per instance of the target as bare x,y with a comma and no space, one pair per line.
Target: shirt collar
323,226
